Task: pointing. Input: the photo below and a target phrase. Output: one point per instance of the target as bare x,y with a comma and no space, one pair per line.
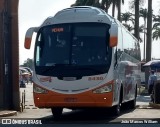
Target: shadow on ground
92,116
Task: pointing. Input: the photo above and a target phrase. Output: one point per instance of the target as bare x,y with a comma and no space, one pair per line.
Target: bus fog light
39,90
104,89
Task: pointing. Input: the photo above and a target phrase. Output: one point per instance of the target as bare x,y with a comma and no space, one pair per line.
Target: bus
84,58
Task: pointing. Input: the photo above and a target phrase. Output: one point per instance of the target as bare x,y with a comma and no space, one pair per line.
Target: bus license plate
70,99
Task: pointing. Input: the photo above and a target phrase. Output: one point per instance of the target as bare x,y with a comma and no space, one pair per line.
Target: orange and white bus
83,58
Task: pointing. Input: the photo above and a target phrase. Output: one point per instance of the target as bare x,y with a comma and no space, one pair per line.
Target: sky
33,12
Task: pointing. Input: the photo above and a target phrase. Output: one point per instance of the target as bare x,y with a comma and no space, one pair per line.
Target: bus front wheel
57,112
133,102
116,109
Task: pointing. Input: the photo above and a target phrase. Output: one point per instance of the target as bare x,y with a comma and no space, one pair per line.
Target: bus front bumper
86,99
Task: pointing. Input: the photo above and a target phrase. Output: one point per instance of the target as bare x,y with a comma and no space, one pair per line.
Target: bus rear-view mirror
28,37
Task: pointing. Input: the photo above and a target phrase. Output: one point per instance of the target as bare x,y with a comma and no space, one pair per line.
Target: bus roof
79,14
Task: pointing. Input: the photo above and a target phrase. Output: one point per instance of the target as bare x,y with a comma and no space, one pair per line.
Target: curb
144,107
156,106
6,113
149,106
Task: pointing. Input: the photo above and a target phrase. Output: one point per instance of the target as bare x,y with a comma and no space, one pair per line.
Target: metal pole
1,56
15,53
9,52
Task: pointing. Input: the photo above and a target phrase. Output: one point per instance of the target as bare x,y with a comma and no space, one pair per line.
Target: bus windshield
73,49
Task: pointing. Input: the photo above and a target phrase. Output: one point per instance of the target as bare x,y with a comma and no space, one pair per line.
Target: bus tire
116,110
133,102
57,112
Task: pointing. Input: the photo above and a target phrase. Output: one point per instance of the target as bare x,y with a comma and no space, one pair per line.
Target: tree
149,38
156,19
117,3
104,4
156,33
141,30
28,63
143,13
127,17
136,28
119,8
87,3
134,5
149,31
79,3
113,7
156,27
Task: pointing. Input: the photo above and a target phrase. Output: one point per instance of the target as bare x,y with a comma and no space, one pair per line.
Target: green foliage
127,17
156,34
132,4
143,13
156,27
156,20
79,3
86,3
103,4
28,63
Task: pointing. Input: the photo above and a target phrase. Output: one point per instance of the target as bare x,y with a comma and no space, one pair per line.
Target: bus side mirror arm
28,37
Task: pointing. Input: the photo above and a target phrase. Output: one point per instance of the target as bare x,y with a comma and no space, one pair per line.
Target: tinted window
73,46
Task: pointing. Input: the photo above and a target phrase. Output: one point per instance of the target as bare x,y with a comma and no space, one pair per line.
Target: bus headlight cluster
39,90
104,89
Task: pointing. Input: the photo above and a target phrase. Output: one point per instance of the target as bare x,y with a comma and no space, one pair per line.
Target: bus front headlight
37,89
104,89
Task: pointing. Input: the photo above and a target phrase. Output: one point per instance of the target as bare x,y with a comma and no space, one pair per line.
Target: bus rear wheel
57,112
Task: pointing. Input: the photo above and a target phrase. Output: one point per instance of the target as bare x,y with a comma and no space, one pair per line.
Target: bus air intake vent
79,90
61,90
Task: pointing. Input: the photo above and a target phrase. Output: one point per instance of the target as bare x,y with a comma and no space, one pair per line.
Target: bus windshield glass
73,49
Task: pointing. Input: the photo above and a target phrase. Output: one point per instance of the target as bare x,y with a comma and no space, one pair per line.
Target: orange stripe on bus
113,41
27,43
